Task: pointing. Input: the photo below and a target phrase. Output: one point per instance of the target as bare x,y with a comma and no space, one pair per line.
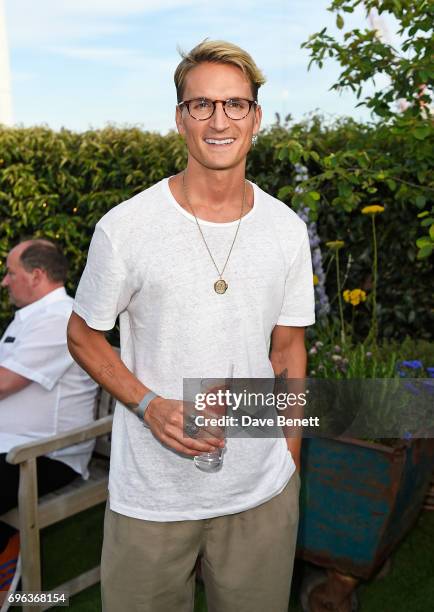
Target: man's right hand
93,353
165,418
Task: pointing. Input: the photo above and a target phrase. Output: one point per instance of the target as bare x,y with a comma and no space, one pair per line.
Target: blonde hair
219,52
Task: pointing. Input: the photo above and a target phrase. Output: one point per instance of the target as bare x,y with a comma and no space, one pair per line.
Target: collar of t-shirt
54,296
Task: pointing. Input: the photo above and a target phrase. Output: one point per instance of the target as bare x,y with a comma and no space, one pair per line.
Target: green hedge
58,184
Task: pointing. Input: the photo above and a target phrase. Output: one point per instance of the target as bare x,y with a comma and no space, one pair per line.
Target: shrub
58,184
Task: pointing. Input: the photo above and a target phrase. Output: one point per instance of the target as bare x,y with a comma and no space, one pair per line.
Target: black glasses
202,109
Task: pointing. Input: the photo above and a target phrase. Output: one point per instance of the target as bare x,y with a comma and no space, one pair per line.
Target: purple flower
322,305
413,365
430,372
428,386
414,389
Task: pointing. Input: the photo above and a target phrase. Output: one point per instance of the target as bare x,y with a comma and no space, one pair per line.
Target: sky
82,64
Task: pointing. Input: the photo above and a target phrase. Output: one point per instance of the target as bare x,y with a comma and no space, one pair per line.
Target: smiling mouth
220,142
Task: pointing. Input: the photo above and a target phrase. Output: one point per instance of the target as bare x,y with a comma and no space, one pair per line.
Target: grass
74,545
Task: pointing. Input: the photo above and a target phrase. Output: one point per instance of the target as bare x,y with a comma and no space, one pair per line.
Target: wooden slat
75,585
53,510
46,445
29,527
71,503
33,514
93,491
11,518
106,404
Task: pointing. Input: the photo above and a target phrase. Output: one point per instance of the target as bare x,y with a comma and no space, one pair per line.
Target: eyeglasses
202,109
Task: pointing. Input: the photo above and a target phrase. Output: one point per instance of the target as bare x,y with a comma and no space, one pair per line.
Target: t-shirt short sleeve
41,353
103,291
298,307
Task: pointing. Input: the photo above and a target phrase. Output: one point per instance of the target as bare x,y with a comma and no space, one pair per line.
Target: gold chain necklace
220,286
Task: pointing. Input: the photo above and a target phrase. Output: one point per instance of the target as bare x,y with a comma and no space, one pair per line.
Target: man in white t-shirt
42,389
206,272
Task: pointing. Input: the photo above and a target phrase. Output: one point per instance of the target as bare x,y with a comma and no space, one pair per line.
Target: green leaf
431,232
420,201
344,190
421,132
339,21
284,192
282,154
310,199
425,252
294,155
423,241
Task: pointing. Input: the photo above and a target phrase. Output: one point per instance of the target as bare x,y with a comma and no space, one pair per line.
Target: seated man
43,392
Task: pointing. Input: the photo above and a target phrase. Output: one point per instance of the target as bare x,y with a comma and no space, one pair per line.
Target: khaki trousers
247,559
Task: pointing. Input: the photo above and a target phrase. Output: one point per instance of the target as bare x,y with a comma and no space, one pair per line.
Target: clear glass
212,462
209,462
202,108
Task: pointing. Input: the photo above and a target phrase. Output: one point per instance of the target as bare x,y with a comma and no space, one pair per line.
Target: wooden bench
33,514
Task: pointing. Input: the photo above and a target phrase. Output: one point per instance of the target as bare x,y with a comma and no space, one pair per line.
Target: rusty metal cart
357,501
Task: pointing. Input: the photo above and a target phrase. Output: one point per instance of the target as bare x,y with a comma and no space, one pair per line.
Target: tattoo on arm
107,370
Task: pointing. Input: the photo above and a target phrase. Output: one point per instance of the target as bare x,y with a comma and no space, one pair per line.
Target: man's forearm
164,417
289,362
96,356
11,382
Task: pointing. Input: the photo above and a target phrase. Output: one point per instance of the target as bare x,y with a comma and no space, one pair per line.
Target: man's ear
38,276
258,119
179,121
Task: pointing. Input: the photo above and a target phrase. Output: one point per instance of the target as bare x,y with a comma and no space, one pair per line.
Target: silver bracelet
143,405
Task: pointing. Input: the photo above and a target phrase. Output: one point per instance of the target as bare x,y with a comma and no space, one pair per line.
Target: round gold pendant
220,286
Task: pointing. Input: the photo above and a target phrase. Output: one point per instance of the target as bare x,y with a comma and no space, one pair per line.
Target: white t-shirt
61,396
148,264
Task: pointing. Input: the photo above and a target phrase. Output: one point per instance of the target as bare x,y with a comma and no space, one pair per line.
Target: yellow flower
355,296
372,210
335,244
315,279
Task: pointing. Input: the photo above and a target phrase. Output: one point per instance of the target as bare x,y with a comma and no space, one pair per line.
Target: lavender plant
322,305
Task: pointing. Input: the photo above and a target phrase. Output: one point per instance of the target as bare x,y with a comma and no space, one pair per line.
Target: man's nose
5,281
219,119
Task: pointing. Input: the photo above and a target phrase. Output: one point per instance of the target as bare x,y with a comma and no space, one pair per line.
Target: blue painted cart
358,500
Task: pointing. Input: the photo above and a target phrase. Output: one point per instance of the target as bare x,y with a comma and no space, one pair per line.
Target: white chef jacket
61,395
